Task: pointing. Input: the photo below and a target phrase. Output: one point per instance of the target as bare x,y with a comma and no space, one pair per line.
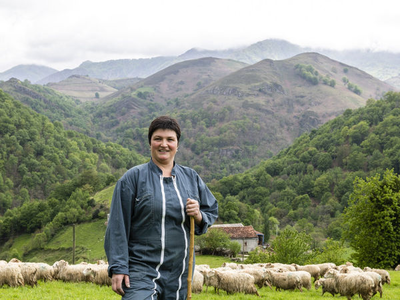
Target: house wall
249,244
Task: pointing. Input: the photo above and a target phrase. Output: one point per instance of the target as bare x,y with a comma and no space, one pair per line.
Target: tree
217,241
372,220
291,246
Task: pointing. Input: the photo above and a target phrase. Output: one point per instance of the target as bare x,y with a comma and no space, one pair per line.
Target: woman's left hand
193,210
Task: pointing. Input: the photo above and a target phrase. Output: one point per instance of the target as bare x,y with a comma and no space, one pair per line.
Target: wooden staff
191,251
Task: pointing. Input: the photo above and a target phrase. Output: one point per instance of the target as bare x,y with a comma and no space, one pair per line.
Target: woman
147,237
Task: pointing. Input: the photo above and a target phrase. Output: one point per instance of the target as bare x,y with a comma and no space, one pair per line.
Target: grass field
57,290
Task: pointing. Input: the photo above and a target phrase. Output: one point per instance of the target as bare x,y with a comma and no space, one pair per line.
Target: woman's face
163,145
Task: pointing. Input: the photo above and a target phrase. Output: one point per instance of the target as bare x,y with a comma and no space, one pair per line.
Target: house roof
238,232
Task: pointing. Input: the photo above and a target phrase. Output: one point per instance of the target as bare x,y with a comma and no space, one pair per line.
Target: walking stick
191,251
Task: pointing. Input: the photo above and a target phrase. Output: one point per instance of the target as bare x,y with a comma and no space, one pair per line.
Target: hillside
48,102
32,73
380,64
308,184
83,88
227,122
48,174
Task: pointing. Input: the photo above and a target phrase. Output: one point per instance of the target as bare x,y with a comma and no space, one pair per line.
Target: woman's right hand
116,282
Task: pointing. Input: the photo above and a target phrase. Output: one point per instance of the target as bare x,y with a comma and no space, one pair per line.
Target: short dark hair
164,122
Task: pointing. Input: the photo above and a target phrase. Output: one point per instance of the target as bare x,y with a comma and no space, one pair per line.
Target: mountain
394,81
380,64
83,88
233,122
32,73
115,69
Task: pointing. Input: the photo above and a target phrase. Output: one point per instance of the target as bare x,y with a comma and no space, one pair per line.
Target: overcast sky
63,33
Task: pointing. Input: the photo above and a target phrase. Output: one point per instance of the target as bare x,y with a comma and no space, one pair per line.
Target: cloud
64,33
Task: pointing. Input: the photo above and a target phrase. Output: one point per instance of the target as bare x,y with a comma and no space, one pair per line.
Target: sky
62,34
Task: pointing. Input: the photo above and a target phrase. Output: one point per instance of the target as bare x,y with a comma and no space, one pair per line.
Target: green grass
212,261
89,244
105,196
57,290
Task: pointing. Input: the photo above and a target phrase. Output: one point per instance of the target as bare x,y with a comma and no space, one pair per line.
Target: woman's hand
116,282
193,210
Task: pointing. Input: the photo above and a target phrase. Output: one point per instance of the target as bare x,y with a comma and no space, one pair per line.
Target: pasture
58,290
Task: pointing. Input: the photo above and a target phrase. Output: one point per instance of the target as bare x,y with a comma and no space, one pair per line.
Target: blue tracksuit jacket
148,230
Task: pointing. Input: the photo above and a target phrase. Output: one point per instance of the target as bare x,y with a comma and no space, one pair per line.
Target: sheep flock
344,280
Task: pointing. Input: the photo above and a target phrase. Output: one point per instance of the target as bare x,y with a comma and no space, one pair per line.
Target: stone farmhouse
246,236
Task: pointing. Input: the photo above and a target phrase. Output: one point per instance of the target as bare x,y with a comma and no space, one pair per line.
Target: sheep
314,270
385,274
328,285
324,267
259,275
236,282
28,272
198,282
66,272
377,281
305,279
201,268
233,266
97,274
351,284
11,275
350,269
210,277
284,280
282,267
44,271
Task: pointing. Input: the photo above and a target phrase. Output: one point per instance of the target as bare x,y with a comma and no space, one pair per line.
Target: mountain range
380,64
233,114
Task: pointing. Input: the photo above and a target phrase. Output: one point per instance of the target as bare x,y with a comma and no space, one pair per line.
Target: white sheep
97,274
233,266
314,270
328,285
385,274
350,284
282,267
44,272
200,268
284,280
10,274
258,273
28,272
210,277
198,282
70,273
350,269
324,267
305,278
236,282
377,281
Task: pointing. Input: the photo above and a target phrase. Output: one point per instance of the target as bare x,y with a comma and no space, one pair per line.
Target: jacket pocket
144,209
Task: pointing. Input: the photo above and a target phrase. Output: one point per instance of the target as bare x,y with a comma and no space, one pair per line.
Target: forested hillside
48,174
308,184
50,103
